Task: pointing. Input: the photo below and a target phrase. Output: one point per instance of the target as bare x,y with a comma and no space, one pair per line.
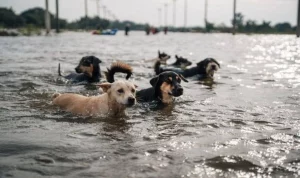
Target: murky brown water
245,124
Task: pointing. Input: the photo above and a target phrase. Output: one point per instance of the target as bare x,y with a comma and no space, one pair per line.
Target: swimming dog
163,57
87,71
181,62
205,69
117,97
165,86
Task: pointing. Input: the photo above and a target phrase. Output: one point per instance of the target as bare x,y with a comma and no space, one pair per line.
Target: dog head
88,65
163,57
210,66
182,62
122,92
167,85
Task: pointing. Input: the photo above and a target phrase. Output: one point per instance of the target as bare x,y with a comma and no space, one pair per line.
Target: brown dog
117,97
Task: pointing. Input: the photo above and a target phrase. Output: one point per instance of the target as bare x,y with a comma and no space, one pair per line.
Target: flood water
244,124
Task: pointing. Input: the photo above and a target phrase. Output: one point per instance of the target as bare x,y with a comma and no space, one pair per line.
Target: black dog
163,57
181,62
205,69
165,86
87,71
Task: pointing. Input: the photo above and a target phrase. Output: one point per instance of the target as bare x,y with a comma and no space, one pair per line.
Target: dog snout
77,69
178,91
213,67
131,101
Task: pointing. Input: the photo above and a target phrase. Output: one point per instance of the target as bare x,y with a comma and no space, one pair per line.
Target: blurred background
251,16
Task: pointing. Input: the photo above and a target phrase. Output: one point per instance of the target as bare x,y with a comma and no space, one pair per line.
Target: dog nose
180,90
77,69
131,101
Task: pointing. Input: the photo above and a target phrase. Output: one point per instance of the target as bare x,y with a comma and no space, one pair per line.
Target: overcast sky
146,11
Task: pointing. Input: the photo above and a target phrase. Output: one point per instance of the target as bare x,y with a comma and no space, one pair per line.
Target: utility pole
86,14
114,17
185,13
159,17
86,8
104,12
166,14
298,24
107,14
205,14
57,17
234,19
174,13
98,9
47,18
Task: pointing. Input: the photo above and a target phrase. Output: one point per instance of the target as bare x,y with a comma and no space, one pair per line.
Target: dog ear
83,58
182,78
104,86
154,81
158,52
176,57
96,60
135,86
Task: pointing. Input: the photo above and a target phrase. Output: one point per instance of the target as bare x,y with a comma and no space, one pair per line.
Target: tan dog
117,97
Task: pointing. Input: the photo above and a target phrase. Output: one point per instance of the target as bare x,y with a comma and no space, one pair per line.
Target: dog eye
133,90
121,91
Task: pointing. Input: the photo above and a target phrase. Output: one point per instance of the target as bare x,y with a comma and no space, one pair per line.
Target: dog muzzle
130,102
77,70
177,91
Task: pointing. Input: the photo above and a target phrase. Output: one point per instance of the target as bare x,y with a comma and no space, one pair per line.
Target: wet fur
181,62
161,88
88,71
118,67
203,69
109,103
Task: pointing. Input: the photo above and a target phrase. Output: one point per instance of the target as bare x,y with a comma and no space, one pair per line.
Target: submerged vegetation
32,20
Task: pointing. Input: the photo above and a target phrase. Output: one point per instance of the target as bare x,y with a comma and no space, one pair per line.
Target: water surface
244,124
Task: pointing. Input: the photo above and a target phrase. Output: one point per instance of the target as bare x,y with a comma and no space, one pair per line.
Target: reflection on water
245,123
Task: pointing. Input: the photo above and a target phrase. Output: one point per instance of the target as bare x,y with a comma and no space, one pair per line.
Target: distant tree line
35,17
251,26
